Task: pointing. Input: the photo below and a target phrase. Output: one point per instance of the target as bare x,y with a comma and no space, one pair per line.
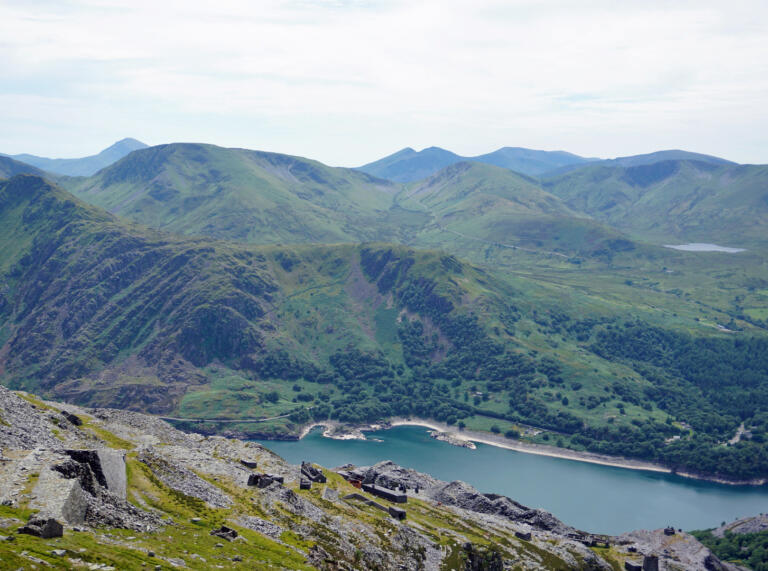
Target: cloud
348,81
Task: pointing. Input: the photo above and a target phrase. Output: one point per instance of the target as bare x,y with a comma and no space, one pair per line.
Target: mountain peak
128,142
85,166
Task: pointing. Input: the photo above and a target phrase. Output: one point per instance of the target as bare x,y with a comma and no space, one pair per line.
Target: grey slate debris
651,562
183,480
261,525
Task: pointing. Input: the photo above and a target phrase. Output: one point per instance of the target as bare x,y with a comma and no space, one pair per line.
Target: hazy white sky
349,81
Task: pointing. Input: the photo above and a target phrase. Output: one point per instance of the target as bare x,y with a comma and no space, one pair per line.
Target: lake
702,247
592,497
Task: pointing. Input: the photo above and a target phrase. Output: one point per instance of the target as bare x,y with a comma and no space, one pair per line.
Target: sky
347,82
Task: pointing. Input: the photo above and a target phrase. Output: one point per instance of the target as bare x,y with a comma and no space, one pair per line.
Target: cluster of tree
713,384
743,548
281,365
731,373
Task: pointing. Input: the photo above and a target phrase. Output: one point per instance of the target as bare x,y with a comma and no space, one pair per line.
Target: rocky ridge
132,491
754,524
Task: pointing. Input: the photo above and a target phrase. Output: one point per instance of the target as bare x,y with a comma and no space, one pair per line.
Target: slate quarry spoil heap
109,489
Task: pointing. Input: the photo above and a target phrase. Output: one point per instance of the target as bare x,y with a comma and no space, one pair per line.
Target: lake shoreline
341,431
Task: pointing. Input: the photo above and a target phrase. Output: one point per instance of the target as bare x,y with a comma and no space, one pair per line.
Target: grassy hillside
241,195
475,206
673,200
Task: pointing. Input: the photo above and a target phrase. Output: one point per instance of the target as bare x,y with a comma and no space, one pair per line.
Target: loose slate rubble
183,480
261,525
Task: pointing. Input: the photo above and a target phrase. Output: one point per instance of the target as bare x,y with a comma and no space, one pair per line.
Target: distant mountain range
409,165
268,198
85,166
646,159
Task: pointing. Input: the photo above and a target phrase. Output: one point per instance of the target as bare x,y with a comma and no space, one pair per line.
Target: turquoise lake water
595,498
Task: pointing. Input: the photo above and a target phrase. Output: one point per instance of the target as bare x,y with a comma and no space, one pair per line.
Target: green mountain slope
673,200
469,185
238,194
475,205
100,312
84,166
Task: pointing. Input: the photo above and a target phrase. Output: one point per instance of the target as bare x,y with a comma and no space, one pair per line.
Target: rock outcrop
678,552
754,524
459,494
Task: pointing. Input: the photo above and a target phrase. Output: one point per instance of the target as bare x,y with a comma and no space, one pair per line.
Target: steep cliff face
132,491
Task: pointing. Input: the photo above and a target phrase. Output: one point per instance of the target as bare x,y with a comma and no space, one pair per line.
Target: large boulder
59,497
44,527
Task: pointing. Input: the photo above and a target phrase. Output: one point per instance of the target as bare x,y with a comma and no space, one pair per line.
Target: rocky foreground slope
109,489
